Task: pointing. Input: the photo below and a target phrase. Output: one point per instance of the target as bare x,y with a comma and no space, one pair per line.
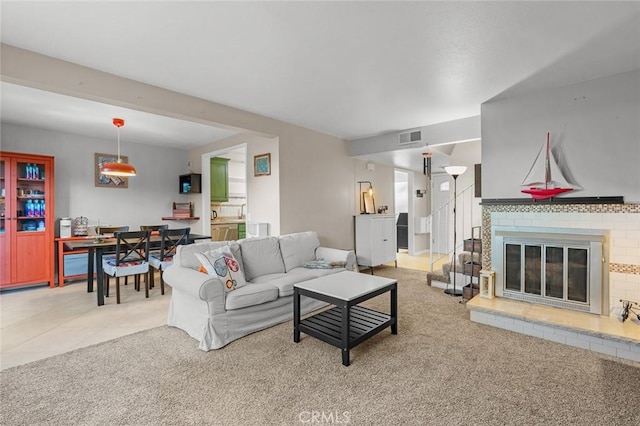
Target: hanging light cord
119,160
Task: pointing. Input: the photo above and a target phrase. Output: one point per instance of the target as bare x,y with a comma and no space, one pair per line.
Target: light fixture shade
455,170
118,169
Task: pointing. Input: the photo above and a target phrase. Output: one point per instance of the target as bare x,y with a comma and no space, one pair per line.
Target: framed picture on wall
109,181
262,165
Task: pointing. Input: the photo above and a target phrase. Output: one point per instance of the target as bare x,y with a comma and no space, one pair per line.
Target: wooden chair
131,258
161,259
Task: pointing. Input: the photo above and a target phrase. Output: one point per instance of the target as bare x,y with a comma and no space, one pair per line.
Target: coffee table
346,325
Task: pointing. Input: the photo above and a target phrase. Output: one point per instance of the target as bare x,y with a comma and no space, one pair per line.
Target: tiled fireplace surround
607,334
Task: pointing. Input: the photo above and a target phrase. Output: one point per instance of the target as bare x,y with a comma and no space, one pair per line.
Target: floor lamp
454,171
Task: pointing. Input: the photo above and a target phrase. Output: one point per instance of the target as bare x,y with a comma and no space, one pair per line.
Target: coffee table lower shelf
363,323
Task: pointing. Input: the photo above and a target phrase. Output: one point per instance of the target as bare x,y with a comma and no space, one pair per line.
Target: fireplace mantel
552,201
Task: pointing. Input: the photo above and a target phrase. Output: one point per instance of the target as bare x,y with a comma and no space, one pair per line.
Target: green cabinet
242,230
219,179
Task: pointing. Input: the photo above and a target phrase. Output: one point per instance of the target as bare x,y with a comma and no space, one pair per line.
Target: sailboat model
541,190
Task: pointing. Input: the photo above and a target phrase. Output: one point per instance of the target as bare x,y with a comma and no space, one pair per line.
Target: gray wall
595,122
149,196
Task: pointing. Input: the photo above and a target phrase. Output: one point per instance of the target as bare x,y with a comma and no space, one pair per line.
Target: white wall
382,179
263,194
595,122
316,186
421,208
469,212
149,196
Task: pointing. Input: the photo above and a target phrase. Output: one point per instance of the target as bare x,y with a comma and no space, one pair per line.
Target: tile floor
40,322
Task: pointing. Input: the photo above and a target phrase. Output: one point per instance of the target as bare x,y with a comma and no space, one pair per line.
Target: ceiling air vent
408,138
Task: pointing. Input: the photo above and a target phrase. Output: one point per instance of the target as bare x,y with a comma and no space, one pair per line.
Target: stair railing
443,216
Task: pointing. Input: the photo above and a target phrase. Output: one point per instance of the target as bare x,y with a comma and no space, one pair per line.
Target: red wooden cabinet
26,219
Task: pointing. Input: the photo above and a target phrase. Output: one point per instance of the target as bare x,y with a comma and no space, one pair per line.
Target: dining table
96,247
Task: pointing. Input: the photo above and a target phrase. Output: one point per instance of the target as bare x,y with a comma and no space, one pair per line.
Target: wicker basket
80,226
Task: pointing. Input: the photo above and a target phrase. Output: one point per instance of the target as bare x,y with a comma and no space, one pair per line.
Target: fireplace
560,267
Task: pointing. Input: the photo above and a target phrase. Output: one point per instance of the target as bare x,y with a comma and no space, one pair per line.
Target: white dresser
375,239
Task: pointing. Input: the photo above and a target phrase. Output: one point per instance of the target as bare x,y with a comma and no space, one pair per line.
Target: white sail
545,171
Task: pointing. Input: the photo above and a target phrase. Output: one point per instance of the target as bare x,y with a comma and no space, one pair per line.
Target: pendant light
119,168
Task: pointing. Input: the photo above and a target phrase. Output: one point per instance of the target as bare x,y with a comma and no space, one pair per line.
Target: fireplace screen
560,267
548,271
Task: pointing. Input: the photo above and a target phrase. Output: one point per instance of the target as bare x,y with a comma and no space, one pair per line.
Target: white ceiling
350,69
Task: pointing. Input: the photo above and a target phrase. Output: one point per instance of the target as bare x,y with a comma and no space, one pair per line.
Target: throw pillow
223,264
323,264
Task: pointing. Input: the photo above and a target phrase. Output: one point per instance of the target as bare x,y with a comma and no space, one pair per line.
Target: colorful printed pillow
223,264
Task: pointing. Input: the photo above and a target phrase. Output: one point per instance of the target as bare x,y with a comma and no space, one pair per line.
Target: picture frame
262,165
104,181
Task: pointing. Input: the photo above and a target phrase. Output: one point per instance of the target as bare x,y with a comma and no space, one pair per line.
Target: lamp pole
454,171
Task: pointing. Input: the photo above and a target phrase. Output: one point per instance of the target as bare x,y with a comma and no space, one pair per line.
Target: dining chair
161,259
102,230
131,258
105,230
153,227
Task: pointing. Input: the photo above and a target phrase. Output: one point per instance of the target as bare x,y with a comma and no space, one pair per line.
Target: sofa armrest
196,284
337,255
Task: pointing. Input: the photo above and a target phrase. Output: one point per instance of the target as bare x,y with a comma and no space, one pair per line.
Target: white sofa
201,306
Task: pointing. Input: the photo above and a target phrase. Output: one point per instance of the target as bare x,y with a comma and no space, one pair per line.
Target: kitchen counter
226,220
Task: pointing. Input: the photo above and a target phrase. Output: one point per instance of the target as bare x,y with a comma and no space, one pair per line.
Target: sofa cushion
266,278
315,273
261,256
250,295
185,254
223,264
284,282
298,248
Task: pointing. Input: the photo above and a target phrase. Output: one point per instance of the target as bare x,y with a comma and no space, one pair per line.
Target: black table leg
296,315
100,276
346,312
394,309
90,270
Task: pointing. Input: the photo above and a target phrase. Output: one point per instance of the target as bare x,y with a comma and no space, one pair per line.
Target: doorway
235,205
404,214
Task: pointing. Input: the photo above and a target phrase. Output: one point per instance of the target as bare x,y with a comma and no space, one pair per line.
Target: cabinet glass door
30,197
5,222
3,197
30,211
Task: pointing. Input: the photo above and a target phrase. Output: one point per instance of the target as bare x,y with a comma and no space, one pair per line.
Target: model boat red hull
544,193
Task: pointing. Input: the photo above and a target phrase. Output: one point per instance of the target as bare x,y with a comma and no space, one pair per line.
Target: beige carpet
441,369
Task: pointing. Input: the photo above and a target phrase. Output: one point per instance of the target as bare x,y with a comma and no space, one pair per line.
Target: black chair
107,230
153,227
102,230
131,258
161,259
